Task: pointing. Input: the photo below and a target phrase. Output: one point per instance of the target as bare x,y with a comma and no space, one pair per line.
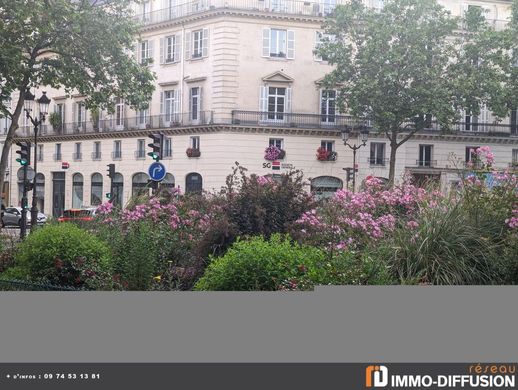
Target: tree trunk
9,138
392,166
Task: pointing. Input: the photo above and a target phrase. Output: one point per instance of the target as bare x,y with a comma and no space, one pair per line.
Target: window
470,153
276,103
96,155
145,52
425,156
119,113
197,44
328,106
77,152
140,153
327,6
96,196
514,160
193,183
168,147
5,122
170,49
139,184
40,191
77,191
168,182
40,152
57,152
377,155
117,150
79,114
327,145
146,11
278,5
195,104
277,142
278,43
195,143
143,118
170,106
325,186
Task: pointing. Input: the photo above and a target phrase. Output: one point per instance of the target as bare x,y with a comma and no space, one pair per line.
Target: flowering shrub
272,153
325,155
481,158
352,220
193,152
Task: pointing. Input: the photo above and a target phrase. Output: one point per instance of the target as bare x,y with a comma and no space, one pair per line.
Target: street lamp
362,134
43,103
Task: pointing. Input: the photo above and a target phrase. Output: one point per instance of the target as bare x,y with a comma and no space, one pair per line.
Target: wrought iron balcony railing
96,156
377,161
426,163
289,7
140,154
117,155
77,156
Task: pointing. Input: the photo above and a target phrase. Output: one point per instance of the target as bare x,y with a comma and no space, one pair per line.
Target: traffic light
111,171
108,195
24,152
156,146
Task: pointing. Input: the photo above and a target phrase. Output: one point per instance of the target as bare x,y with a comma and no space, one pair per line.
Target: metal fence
23,285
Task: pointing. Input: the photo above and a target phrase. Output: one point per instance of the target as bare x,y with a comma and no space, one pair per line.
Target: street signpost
157,171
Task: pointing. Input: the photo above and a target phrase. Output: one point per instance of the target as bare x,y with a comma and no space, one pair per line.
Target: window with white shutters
195,104
197,44
170,49
278,43
328,106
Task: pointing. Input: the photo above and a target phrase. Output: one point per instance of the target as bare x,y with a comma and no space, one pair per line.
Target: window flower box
193,152
326,155
272,153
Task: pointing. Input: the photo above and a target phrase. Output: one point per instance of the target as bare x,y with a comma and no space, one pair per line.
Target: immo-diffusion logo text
498,376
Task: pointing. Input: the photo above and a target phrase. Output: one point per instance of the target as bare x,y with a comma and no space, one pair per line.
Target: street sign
157,171
65,165
30,174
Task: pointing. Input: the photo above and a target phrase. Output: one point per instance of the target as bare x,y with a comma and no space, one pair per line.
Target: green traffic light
22,162
154,156
108,195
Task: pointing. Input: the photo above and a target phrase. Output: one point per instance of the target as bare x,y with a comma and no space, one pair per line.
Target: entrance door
58,193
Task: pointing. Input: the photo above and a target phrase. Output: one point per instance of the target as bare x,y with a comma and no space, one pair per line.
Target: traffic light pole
23,227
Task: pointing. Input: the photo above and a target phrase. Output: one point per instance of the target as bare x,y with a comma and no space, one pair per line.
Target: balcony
288,7
426,163
295,120
96,156
380,162
77,156
124,124
117,155
57,156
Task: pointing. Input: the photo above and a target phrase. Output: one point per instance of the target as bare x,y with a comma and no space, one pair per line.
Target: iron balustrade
140,154
57,156
377,161
77,156
117,155
96,156
288,7
426,163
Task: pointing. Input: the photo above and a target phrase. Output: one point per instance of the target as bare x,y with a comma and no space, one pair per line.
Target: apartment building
234,77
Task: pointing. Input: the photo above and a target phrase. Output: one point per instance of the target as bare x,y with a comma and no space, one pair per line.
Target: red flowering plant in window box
325,155
272,153
193,152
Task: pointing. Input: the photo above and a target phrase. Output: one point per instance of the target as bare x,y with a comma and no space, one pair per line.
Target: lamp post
43,103
362,135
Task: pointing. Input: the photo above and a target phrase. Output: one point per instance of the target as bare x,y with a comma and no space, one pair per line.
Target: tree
81,46
408,63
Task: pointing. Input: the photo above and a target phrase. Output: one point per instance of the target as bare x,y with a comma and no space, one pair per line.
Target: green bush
258,264
66,255
279,264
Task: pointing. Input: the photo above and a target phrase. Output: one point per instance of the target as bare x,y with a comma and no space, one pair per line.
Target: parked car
74,215
13,217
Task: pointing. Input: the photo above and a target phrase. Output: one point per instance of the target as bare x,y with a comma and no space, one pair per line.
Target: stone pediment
278,77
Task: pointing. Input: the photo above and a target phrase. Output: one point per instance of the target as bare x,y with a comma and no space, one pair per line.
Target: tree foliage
81,46
414,60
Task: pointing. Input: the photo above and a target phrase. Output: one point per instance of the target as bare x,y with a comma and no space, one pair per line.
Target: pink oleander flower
105,208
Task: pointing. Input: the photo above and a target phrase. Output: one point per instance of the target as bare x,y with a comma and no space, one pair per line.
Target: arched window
96,194
168,182
325,186
118,188
77,191
40,192
139,184
193,183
